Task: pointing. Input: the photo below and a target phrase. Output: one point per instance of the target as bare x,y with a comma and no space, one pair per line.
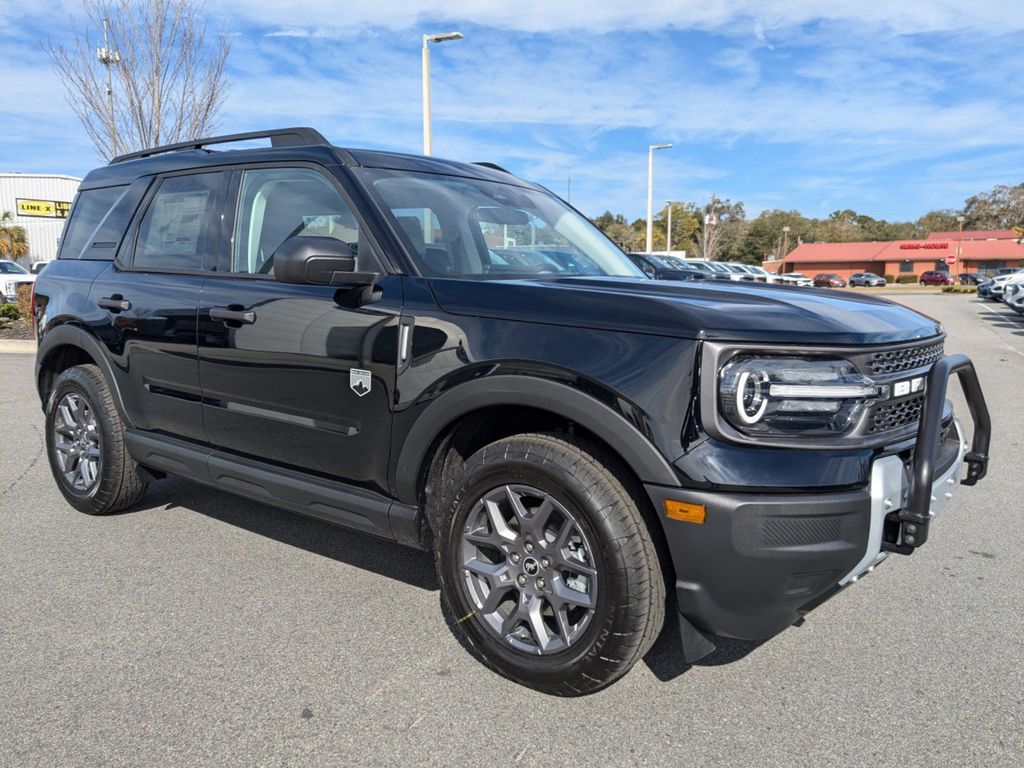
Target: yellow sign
50,209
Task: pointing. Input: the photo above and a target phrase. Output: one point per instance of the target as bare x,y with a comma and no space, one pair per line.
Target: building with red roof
905,257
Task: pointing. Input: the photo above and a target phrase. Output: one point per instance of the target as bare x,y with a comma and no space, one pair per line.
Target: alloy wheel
76,442
529,569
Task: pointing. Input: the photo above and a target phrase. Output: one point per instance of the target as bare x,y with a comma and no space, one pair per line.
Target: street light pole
427,39
668,229
650,192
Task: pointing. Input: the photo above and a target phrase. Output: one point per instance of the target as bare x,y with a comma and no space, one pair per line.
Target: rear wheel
547,565
85,444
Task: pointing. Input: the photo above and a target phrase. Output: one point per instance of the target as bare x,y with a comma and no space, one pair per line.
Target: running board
327,500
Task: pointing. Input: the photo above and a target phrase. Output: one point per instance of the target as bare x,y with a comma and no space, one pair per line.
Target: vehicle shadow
391,560
378,556
1007,319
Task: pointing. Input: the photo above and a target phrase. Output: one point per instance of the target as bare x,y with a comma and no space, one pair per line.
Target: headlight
794,395
10,288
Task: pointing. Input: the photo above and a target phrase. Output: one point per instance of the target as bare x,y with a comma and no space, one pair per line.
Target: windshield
10,268
461,227
715,266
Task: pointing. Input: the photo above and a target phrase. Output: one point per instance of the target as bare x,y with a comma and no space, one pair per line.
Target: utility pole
960,244
785,242
108,57
568,188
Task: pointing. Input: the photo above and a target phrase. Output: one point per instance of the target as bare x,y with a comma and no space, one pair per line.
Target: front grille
895,361
888,416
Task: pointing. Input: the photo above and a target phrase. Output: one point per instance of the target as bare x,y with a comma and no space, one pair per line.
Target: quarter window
176,229
275,204
89,209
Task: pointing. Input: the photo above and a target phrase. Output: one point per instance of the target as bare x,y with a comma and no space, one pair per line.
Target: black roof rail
281,137
494,167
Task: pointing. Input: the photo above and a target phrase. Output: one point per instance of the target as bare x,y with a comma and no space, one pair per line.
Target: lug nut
514,557
521,580
540,583
910,539
911,528
545,562
529,547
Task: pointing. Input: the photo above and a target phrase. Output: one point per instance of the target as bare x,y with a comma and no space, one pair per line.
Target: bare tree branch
169,85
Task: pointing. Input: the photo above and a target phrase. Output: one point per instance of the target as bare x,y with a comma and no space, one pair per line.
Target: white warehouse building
39,202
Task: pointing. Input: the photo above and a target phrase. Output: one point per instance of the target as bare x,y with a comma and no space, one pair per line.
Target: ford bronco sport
445,355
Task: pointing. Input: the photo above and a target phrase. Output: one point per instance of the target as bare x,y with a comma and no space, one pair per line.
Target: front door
298,375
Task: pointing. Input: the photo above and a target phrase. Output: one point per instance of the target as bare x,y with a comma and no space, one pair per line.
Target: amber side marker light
684,511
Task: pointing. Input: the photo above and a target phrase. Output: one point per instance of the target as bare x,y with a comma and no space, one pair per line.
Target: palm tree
13,239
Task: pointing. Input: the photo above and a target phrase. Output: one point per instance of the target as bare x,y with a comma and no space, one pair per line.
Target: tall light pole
427,40
650,192
109,57
668,229
785,241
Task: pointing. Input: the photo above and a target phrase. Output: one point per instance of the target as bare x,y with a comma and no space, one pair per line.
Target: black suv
445,355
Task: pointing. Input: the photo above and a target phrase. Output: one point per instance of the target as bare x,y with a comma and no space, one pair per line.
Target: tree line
721,230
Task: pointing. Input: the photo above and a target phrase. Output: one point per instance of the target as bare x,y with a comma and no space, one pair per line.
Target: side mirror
319,261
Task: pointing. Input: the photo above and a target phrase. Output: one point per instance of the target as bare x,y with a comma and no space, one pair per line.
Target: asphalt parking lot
201,629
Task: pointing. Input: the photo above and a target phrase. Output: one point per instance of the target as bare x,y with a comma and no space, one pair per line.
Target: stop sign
951,259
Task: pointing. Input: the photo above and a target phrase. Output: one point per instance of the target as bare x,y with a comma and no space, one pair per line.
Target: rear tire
85,444
573,593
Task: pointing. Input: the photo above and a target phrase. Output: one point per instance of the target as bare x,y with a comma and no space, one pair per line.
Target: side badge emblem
360,381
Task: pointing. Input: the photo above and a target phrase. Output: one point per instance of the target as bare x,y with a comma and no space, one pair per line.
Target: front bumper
760,561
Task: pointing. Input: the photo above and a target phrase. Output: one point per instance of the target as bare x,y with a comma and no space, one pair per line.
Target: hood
706,309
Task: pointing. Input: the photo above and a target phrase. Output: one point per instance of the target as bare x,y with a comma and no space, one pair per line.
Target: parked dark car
866,279
935,277
970,278
829,280
667,267
332,331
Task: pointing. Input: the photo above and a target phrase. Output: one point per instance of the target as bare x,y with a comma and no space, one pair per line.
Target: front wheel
547,565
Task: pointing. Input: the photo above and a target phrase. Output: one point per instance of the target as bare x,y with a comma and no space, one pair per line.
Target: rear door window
178,228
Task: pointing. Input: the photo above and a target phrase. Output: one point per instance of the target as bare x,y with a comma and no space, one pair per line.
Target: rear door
301,376
150,297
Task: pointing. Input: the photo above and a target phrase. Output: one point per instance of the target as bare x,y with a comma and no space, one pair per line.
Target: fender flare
625,439
75,336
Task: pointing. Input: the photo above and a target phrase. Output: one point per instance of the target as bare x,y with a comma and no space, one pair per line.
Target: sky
889,108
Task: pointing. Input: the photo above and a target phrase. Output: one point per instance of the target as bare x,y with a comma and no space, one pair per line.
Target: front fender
624,438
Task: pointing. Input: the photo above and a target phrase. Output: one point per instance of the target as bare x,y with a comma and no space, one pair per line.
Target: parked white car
1013,293
11,275
796,278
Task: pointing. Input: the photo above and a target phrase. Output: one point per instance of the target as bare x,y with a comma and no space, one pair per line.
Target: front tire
85,444
547,566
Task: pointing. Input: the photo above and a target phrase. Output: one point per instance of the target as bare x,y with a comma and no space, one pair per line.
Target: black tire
630,602
118,483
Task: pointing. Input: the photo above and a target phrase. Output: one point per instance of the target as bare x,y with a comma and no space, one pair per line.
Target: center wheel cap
531,567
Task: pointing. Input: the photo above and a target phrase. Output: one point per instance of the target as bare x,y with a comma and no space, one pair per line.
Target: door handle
115,303
224,314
